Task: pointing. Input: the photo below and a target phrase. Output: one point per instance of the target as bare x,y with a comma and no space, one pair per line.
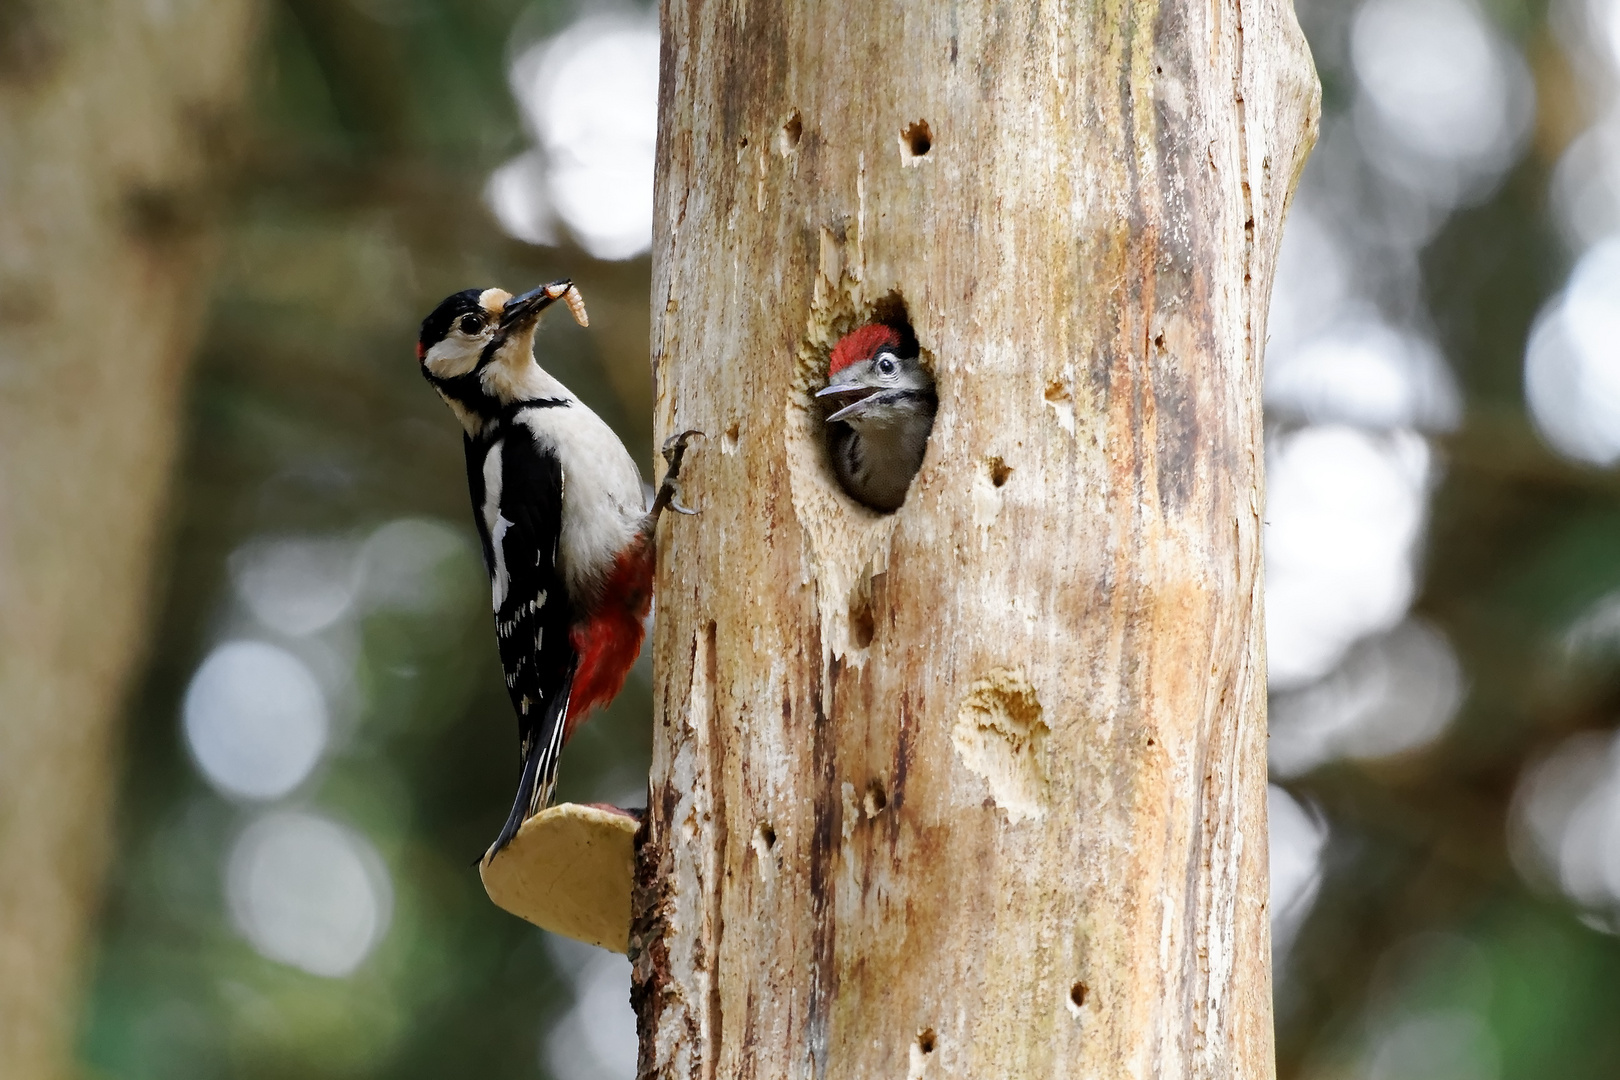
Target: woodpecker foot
675,449
669,491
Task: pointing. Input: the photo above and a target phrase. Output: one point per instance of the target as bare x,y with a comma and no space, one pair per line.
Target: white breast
603,500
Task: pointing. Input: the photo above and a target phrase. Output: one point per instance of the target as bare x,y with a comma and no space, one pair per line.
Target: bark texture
113,118
976,789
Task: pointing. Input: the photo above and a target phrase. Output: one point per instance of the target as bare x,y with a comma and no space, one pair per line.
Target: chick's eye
471,324
886,365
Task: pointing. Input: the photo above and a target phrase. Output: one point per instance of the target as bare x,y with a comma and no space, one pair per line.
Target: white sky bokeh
1394,693
296,585
596,1038
589,97
1364,371
403,565
1564,826
1586,182
1443,101
307,892
1413,1029
259,715
1344,511
1297,839
255,720
1435,1044
1572,361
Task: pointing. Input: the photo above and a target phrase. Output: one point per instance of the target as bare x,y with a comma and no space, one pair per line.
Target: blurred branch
1498,444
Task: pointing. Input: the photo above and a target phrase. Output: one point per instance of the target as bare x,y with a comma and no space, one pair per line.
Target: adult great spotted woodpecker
567,538
877,440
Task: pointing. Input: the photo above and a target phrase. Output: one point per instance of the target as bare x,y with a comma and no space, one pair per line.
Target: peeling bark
976,788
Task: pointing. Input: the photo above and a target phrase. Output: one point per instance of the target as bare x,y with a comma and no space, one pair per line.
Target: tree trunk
976,789
112,118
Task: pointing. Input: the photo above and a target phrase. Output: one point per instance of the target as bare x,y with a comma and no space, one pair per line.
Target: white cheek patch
455,355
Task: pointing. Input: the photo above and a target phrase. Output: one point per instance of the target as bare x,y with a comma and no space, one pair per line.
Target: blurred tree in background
115,127
319,745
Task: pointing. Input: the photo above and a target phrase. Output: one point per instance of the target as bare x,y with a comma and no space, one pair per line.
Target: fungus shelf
569,870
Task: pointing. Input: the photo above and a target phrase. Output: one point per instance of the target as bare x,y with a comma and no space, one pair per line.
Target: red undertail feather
610,640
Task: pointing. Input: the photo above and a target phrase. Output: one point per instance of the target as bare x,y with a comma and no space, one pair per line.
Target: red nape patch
421,351
610,640
861,344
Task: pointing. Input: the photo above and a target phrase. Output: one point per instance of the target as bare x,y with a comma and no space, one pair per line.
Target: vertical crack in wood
824,851
715,862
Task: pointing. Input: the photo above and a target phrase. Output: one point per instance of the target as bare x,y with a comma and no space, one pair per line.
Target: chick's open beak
861,394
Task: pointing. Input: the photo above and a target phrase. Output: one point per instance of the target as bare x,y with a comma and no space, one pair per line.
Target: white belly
603,500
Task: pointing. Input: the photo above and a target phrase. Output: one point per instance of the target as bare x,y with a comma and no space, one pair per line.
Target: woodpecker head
477,345
874,382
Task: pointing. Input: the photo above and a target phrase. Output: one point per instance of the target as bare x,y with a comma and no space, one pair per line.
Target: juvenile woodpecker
877,439
561,515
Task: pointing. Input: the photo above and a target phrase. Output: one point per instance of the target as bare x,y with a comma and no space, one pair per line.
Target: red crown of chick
861,345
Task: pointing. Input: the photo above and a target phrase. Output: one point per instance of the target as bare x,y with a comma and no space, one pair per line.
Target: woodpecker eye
471,324
886,365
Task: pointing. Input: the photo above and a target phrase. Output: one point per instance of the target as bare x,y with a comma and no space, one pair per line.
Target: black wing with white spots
517,490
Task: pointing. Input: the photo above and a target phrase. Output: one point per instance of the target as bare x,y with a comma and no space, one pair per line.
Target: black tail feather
538,782
520,806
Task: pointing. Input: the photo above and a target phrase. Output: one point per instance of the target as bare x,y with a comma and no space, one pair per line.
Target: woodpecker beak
520,312
862,395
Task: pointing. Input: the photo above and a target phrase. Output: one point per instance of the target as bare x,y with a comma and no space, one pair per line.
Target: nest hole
876,800
926,1040
877,430
999,471
766,836
916,139
1077,995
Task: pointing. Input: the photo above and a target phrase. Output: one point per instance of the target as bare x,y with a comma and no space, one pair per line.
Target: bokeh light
1572,363
595,1039
1565,827
1393,693
1427,1015
1366,372
308,892
1344,512
255,719
403,565
296,586
1444,103
1442,1044
590,97
1296,838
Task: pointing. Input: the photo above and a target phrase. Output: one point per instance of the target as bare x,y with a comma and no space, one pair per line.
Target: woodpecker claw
675,449
668,492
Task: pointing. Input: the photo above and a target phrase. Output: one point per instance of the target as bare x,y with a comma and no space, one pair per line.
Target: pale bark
113,118
977,789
